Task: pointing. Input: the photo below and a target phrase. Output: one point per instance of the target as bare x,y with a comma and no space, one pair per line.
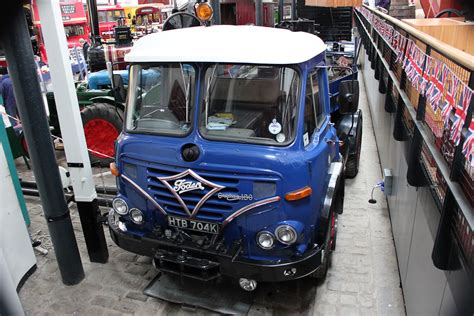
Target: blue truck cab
228,163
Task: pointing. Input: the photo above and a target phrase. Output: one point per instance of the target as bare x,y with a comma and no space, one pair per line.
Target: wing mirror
348,96
118,88
120,93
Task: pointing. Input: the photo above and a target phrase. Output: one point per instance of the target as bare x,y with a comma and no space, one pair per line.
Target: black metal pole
280,10
258,12
216,8
15,41
293,10
94,20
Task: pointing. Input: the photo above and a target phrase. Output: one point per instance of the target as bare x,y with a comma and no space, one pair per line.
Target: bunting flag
425,78
408,51
416,59
460,115
399,49
450,98
384,29
468,147
435,91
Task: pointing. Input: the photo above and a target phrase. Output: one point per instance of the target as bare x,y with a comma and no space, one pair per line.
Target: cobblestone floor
363,279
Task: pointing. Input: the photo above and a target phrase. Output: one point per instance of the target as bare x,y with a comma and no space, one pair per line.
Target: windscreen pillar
72,130
16,43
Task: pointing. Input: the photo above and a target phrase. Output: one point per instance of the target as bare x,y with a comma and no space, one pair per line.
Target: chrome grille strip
144,193
249,207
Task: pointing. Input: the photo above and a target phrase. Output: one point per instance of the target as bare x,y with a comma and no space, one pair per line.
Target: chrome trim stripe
144,193
249,207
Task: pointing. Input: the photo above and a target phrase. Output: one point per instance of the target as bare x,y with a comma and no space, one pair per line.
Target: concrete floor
363,279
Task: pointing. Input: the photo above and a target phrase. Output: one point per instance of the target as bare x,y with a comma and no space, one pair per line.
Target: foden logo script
182,186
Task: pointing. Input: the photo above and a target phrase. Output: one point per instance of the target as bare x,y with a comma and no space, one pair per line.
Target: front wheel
102,125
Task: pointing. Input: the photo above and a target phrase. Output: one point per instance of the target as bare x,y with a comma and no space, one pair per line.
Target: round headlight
136,216
120,206
286,234
265,240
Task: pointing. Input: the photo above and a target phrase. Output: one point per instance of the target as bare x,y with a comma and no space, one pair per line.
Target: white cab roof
227,43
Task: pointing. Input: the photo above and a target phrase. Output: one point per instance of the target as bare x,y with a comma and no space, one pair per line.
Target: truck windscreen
250,103
160,99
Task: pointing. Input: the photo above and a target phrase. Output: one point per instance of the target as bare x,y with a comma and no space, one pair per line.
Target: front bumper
207,265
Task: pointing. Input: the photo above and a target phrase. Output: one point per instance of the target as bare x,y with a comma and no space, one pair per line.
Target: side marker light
299,194
114,170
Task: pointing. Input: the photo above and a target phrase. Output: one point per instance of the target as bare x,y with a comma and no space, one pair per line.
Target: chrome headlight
136,216
120,206
265,240
286,234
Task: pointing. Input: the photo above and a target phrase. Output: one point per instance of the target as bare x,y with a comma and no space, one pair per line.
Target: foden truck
230,162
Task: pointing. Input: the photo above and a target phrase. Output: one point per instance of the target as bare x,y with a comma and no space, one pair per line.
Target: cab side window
309,113
318,105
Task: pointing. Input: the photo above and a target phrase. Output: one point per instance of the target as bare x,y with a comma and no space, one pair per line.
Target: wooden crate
452,31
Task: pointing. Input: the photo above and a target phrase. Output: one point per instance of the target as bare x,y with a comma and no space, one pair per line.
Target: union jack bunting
408,52
460,115
425,79
468,147
435,91
450,98
385,30
399,49
416,58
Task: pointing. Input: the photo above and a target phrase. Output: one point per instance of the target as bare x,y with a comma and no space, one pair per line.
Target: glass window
318,104
250,103
309,114
314,115
73,30
102,16
160,98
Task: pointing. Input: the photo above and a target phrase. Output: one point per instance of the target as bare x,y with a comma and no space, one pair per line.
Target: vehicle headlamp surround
120,206
136,216
265,240
286,234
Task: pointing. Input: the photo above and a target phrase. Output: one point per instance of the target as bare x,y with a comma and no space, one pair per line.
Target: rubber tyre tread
106,112
352,164
96,59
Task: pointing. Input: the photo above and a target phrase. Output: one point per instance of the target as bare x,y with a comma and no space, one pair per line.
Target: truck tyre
352,164
102,125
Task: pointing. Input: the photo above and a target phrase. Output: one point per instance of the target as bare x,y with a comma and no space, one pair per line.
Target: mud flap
220,296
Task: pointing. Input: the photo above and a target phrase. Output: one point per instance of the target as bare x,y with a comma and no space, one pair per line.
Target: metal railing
434,160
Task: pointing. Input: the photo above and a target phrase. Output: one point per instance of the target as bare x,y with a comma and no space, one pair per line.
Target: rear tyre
352,164
102,125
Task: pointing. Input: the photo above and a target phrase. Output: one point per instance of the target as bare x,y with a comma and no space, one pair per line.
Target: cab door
318,137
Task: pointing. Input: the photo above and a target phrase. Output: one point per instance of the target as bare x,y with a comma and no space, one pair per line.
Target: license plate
199,226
